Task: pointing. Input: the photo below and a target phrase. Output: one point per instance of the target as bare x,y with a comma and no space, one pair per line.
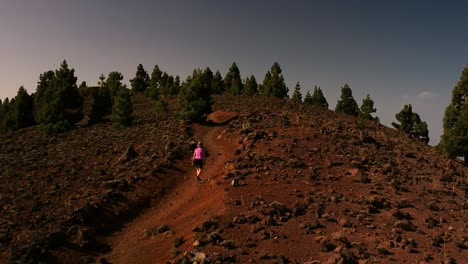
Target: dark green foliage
162,84
273,83
102,97
23,110
7,121
411,124
55,128
367,108
318,98
347,104
217,85
156,75
102,80
308,98
264,88
454,140
57,99
208,78
122,109
195,97
297,96
250,86
233,81
44,86
83,85
141,81
114,82
175,88
101,105
162,106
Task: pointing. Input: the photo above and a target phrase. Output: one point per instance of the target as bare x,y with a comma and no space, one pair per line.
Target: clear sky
399,52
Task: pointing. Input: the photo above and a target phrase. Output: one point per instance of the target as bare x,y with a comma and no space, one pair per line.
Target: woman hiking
198,159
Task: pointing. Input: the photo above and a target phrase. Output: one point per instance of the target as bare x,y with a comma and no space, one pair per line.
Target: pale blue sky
399,52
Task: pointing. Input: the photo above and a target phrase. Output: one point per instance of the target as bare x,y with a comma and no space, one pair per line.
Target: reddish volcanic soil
188,205
283,183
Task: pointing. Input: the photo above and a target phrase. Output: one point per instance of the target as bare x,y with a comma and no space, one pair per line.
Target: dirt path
184,207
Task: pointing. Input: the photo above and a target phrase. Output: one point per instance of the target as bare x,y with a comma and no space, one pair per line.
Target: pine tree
44,88
103,96
114,82
273,84
208,78
367,108
102,80
164,84
411,124
250,86
6,115
83,85
454,140
297,96
265,87
218,86
318,98
58,100
175,88
347,104
233,81
156,75
141,81
122,109
308,98
195,97
24,104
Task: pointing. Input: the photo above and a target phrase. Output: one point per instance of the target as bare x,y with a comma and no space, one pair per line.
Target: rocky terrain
283,183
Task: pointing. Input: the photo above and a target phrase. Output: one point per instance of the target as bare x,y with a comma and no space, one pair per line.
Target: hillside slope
284,183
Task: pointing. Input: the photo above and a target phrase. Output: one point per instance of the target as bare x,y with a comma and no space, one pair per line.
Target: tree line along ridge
59,103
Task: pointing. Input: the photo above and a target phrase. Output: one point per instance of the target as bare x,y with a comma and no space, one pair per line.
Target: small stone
174,253
200,257
162,228
179,241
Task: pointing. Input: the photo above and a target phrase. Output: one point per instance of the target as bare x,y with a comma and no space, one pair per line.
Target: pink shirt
198,153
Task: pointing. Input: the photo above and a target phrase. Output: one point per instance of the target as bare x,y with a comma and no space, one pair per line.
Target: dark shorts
198,163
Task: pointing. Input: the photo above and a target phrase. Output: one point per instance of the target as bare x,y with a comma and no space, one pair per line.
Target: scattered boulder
129,154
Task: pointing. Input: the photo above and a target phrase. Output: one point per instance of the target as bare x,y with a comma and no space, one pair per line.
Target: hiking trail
182,208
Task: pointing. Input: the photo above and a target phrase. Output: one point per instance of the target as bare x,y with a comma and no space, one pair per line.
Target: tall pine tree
367,108
347,104
308,98
156,75
411,124
454,140
195,97
250,86
141,81
59,103
318,98
175,88
6,115
114,82
24,104
297,95
217,86
273,84
122,109
233,80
